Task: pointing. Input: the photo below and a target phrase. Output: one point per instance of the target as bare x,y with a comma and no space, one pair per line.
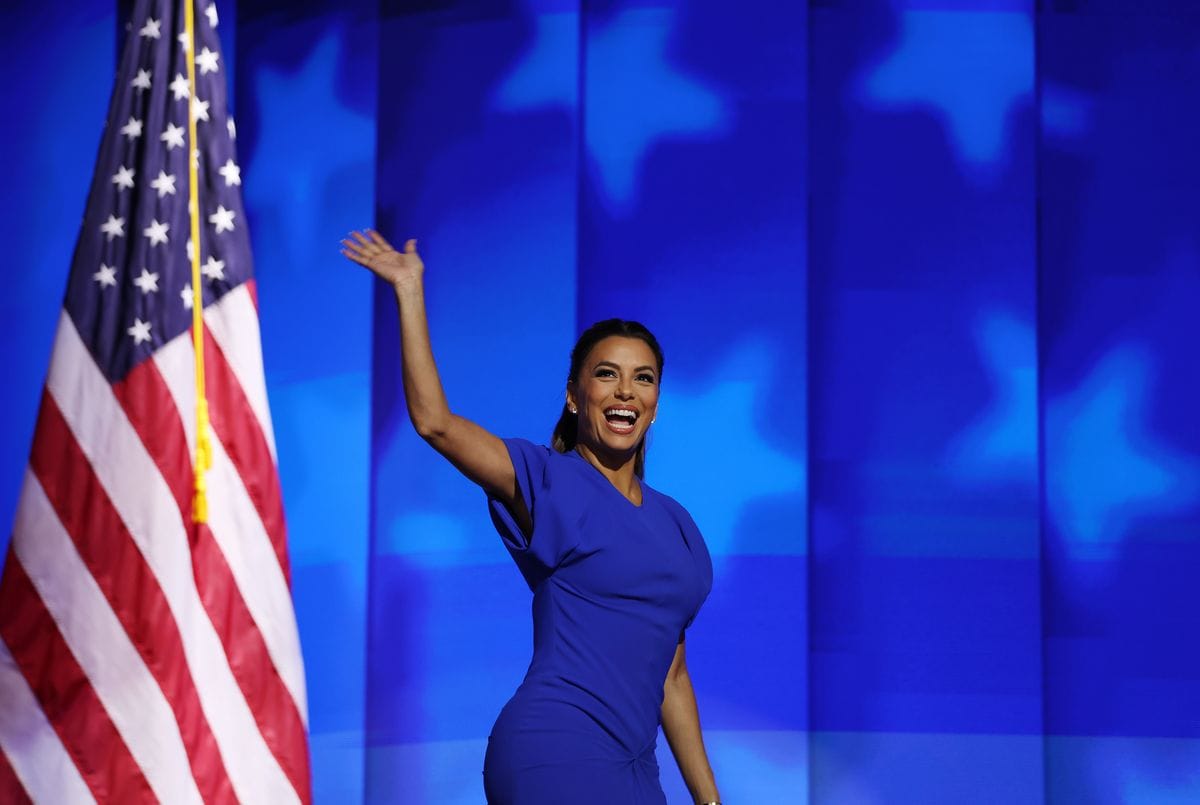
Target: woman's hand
401,270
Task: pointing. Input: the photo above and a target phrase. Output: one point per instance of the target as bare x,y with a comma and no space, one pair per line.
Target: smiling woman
618,570
619,384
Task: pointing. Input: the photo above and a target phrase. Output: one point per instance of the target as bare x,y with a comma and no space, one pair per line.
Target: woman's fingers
349,247
378,238
367,248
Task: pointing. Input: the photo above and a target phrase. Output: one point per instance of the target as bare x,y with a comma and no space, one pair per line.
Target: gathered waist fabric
546,748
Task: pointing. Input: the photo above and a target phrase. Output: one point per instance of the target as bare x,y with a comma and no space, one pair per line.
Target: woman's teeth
620,420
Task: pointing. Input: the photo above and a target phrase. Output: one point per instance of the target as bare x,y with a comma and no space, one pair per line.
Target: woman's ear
571,404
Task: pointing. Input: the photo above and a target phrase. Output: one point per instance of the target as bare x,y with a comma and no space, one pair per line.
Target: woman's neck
617,469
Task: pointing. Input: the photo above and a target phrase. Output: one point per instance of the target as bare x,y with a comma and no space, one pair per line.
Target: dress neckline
611,485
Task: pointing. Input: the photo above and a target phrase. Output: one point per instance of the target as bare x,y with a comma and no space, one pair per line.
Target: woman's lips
622,428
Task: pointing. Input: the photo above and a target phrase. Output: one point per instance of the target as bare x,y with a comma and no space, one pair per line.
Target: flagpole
203,447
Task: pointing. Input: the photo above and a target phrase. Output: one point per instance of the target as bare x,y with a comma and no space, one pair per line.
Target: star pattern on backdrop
975,100
626,119
291,193
1002,443
1110,469
767,471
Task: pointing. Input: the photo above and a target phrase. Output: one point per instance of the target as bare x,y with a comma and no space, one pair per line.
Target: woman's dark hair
566,430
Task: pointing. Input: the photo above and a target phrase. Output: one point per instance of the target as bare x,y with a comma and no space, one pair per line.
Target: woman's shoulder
539,453
677,509
553,467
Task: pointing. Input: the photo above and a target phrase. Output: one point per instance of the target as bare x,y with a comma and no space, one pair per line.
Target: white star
639,39
183,41
200,110
189,243
114,227
231,172
123,177
211,12
214,269
157,232
147,282
1117,473
164,184
196,162
187,296
132,129
140,331
141,81
179,87
173,136
231,128
222,219
737,384
106,276
152,28
207,61
975,117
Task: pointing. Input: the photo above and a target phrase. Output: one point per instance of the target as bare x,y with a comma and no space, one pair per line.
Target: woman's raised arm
478,454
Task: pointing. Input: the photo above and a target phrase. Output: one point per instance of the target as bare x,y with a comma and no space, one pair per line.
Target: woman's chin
620,447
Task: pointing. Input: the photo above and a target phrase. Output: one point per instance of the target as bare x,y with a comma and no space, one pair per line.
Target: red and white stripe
143,658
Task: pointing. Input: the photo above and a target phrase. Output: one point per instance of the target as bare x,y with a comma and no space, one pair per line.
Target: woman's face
616,395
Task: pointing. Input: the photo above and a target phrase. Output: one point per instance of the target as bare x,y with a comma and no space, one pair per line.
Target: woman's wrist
409,289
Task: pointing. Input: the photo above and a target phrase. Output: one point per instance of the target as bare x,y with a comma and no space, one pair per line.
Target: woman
618,570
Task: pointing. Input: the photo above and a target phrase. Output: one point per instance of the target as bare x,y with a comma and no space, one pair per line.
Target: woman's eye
646,378
605,373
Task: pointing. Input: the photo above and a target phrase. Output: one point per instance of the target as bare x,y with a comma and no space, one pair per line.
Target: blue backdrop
926,276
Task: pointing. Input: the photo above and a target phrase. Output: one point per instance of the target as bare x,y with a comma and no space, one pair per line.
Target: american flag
144,656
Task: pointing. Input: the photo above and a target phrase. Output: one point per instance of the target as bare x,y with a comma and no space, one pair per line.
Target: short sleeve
700,555
540,481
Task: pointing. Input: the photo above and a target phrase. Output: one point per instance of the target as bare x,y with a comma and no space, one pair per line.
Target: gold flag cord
203,446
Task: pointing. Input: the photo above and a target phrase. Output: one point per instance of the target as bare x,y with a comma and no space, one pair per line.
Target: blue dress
614,586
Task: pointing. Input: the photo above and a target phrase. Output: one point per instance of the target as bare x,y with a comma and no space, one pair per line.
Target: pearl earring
573,411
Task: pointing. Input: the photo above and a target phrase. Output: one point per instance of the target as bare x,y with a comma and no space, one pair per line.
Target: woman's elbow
430,428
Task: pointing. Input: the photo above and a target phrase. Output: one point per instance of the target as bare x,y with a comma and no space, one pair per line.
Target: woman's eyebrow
644,368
